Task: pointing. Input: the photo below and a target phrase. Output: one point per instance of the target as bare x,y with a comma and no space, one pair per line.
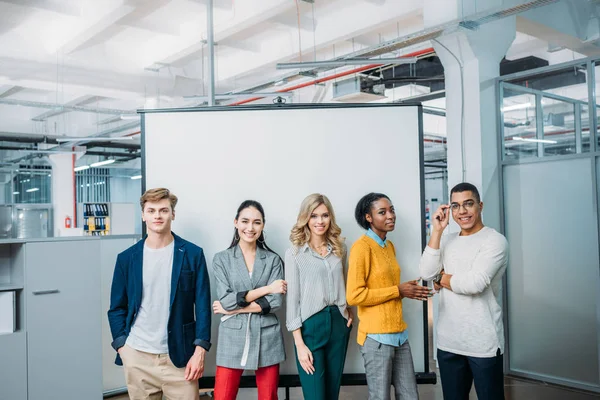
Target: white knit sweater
470,315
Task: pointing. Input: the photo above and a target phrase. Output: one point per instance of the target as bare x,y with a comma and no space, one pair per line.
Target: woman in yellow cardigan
374,286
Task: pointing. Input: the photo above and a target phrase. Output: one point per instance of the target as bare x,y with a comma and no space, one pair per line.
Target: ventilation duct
357,89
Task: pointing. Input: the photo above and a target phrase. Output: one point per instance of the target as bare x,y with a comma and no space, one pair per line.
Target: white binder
8,313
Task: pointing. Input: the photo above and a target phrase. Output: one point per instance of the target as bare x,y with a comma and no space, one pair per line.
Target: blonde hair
158,194
300,234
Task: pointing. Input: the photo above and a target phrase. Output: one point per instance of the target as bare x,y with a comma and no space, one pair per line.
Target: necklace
321,249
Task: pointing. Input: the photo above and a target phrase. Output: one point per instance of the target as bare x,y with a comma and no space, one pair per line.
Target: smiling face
319,221
466,212
382,217
249,225
158,216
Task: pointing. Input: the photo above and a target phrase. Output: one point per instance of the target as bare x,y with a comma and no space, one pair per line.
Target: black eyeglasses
468,205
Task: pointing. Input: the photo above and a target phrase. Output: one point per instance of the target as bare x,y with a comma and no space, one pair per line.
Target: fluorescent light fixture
92,139
130,116
81,168
241,96
516,107
32,190
348,61
15,192
534,140
101,163
136,177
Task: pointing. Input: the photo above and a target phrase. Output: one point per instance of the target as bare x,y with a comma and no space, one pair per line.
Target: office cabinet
63,323
13,366
13,350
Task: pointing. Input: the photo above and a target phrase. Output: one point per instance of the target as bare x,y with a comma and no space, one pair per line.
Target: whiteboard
215,158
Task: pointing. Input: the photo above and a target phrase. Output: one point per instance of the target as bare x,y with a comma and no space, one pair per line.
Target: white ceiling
129,54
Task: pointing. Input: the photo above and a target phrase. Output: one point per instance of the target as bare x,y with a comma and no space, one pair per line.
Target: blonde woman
317,314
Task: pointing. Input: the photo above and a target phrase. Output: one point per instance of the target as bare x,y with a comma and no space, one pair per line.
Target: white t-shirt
470,315
149,331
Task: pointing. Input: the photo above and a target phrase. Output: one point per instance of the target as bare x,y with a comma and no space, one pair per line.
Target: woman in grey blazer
250,288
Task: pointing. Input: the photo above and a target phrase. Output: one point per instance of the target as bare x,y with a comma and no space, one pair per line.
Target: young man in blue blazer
160,309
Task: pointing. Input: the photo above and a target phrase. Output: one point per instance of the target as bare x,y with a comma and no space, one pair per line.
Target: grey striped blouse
314,282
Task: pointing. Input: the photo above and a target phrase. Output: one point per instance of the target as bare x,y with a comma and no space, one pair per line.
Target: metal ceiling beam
79,41
10,90
230,30
40,104
80,101
290,20
57,6
109,120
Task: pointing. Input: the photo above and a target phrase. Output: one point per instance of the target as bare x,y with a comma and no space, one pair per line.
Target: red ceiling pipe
423,52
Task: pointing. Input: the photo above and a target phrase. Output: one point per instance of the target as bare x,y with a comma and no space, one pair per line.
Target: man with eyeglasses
467,268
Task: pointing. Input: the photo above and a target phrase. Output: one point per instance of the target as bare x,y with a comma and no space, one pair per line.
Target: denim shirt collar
376,238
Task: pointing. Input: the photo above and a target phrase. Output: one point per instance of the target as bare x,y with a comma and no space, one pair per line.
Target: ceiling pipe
210,44
16,137
90,153
419,53
62,107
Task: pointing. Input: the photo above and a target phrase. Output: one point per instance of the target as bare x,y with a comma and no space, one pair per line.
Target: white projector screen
215,158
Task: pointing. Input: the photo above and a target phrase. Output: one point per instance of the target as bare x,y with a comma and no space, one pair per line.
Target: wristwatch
438,278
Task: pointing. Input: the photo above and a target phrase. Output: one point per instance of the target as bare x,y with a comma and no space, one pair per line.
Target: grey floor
515,389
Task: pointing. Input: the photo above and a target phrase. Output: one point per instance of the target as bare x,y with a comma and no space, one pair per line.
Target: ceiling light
534,140
516,107
93,139
348,61
32,190
15,192
136,177
130,116
101,163
82,168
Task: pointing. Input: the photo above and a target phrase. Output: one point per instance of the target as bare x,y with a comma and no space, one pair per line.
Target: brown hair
158,194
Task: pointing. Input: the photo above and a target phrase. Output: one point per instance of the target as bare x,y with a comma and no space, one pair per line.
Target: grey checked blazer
266,340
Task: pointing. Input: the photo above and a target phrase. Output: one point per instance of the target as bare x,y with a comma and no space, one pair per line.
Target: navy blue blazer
190,308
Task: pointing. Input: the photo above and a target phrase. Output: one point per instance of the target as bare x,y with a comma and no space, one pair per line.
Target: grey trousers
388,365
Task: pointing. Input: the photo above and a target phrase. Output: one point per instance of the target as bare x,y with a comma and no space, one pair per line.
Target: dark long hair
260,242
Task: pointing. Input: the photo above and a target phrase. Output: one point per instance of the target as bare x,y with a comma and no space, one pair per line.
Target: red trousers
227,382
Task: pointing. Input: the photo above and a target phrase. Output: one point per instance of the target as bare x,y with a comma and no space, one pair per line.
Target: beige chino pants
150,376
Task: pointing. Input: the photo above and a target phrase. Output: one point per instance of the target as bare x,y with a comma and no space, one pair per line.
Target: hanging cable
299,33
314,31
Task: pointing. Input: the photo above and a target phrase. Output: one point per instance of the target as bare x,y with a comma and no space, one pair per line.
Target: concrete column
63,192
471,62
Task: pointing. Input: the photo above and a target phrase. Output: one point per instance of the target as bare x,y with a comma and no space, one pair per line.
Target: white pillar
63,191
471,62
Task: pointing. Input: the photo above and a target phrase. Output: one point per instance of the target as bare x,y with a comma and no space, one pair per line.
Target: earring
263,236
236,235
